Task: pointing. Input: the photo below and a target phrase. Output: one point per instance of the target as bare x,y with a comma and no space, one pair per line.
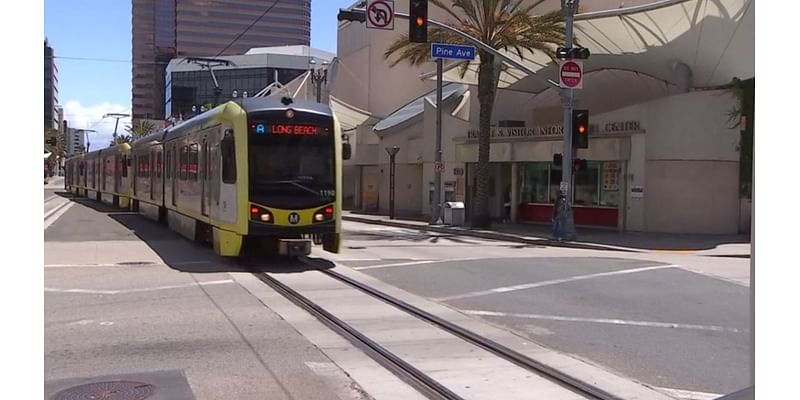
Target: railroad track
413,376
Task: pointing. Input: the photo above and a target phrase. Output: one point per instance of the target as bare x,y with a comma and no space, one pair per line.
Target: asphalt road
128,299
650,320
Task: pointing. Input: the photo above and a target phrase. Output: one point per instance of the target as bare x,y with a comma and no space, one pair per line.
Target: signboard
557,131
452,51
571,74
564,187
380,14
637,192
438,166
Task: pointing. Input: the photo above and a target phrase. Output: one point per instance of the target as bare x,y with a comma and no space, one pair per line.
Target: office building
166,29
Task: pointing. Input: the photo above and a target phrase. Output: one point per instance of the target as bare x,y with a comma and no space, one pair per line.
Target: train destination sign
286,129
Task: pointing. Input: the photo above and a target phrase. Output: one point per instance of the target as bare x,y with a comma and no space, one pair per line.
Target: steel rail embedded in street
416,378
493,347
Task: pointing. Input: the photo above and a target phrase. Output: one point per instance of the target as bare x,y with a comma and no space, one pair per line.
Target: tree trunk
486,92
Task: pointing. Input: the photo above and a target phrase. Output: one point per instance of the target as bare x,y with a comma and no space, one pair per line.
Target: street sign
571,74
564,187
380,14
452,51
438,166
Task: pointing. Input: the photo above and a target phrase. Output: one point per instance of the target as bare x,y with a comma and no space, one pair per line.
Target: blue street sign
452,51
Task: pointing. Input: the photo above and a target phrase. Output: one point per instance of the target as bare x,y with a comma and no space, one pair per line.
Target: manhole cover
120,390
135,263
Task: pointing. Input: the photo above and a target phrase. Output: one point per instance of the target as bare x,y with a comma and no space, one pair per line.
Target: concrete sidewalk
589,239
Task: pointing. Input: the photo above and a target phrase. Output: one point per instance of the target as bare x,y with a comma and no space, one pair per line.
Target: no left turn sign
380,14
571,74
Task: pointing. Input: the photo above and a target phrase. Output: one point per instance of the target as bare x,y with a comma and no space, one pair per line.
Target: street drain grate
119,390
135,263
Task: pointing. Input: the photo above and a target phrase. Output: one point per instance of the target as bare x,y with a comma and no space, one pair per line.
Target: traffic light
352,15
580,129
567,53
418,21
578,164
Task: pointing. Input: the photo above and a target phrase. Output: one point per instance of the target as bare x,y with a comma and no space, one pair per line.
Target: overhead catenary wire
248,28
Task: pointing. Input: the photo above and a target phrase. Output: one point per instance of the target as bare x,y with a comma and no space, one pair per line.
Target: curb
486,235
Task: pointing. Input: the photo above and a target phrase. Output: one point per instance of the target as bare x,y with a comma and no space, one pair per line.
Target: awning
413,110
713,38
350,117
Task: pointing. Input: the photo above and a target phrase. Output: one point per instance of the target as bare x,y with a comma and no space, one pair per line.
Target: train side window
193,161
184,161
124,166
228,151
158,165
169,164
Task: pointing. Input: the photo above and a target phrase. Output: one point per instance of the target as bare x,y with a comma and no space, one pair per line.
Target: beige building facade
663,154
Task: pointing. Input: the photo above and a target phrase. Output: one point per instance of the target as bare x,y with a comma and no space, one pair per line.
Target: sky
94,39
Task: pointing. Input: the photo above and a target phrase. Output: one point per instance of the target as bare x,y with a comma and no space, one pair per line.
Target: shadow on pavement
586,235
182,254
95,205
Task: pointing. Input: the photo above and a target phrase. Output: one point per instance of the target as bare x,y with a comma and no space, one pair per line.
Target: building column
514,190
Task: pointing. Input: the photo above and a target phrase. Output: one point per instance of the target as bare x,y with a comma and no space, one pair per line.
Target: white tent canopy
688,43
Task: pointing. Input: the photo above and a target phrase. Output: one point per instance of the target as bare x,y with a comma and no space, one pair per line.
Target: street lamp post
319,77
392,153
116,124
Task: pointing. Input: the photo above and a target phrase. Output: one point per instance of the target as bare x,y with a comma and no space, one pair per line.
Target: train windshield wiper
291,182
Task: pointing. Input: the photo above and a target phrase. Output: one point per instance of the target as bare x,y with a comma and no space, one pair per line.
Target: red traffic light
418,21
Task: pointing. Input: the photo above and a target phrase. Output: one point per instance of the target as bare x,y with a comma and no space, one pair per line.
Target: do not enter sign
571,74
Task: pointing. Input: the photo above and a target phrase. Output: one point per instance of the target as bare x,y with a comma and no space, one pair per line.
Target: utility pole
568,8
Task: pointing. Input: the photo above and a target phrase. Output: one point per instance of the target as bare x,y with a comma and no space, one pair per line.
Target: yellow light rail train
263,170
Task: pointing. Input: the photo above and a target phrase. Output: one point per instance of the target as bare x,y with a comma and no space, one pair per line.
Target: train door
117,172
204,174
175,174
151,173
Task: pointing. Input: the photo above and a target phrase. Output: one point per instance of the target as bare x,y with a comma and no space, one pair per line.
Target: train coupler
294,247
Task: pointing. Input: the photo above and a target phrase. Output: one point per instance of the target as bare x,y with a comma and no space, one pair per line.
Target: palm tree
503,25
139,128
121,139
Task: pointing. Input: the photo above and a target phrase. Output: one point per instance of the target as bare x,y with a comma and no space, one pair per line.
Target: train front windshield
291,162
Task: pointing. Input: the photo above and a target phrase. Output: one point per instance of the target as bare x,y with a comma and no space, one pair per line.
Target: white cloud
91,117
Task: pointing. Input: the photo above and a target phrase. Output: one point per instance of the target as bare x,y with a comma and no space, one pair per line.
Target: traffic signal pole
568,8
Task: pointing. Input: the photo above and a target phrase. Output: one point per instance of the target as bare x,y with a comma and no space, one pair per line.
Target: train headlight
261,214
323,214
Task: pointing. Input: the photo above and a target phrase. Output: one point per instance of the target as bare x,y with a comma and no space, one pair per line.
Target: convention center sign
556,131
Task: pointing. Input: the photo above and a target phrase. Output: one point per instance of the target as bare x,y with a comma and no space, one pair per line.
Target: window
228,151
193,162
586,185
124,166
534,178
609,188
169,164
184,160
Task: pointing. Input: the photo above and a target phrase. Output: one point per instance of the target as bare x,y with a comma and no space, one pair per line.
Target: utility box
454,213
